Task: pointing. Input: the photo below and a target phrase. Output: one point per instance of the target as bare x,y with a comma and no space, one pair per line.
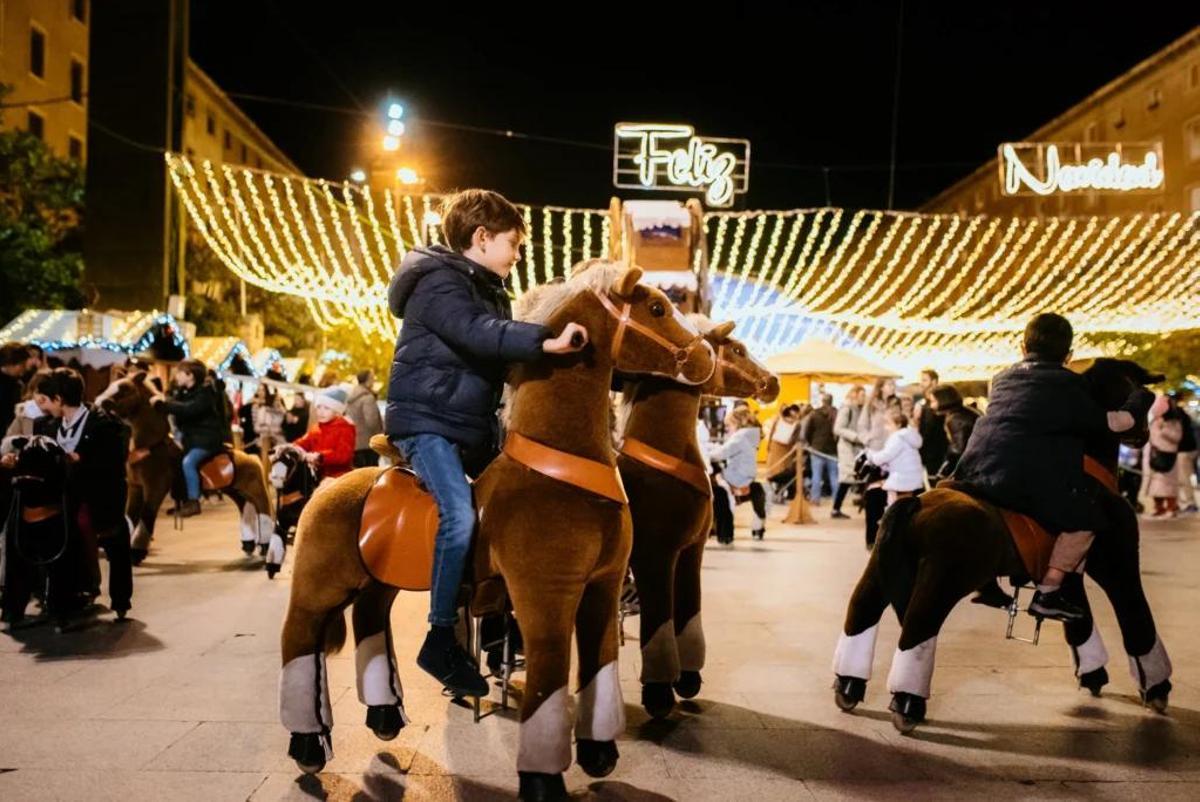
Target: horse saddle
397,531
217,472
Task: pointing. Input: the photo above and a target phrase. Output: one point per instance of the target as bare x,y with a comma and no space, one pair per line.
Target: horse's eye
657,309
739,351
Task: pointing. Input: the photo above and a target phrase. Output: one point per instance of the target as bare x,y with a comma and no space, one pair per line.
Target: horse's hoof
658,699
908,710
538,787
272,570
310,750
596,758
1094,681
688,684
848,692
385,721
262,549
1156,697
248,547
121,614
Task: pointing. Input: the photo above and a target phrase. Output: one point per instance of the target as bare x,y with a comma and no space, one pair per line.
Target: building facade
44,63
1157,103
214,128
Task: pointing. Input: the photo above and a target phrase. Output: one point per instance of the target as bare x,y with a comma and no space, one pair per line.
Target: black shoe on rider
1053,605
446,661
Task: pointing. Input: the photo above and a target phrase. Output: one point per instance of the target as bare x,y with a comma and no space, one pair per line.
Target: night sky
810,86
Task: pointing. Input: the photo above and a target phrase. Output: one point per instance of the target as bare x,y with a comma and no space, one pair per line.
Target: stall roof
67,329
821,357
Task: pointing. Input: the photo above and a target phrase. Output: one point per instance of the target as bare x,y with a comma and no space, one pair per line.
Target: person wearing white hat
330,445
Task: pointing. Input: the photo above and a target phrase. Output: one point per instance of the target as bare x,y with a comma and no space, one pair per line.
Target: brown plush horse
155,463
937,548
557,547
670,499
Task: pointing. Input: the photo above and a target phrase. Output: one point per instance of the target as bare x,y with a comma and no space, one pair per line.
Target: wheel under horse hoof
1094,681
385,721
1156,697
908,710
848,692
310,750
658,699
537,787
688,684
596,758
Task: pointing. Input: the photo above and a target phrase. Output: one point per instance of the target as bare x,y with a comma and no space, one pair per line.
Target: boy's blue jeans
191,470
438,462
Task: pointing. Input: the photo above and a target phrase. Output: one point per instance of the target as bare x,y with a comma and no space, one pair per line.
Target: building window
79,10
228,140
1092,133
75,148
37,125
1154,98
1194,198
211,124
189,105
245,160
37,52
1118,120
258,162
1191,138
76,81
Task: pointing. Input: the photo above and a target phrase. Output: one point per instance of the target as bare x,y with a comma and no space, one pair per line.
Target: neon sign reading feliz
1108,174
698,163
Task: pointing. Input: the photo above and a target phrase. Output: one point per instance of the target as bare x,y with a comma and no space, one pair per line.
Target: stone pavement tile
383,787
253,746
486,749
780,754
1157,791
63,701
121,785
764,678
18,668
817,711
86,744
758,789
941,791
730,712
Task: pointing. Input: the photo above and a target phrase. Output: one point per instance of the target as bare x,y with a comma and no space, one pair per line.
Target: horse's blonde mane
702,322
540,303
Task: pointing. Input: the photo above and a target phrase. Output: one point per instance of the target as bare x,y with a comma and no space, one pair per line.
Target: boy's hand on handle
573,338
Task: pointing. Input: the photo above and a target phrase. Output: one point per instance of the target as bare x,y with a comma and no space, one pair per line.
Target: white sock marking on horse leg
912,669
275,550
249,523
1091,654
600,706
373,666
855,654
660,656
691,646
545,737
1151,668
266,528
304,695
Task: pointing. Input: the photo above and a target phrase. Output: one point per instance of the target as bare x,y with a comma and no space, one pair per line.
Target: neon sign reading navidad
1041,169
672,158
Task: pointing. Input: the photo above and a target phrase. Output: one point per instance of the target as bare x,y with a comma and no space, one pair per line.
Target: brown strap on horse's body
625,321
725,366
594,477
684,471
34,515
1095,469
290,498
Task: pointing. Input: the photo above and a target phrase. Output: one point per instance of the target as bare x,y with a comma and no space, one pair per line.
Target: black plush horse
38,532
295,480
935,549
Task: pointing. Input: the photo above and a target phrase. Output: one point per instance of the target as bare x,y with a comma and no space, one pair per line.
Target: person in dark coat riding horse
199,411
447,376
1026,453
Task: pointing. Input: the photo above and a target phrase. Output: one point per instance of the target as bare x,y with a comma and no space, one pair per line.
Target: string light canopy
904,289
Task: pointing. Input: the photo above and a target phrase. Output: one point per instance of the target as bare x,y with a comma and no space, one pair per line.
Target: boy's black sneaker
1053,605
446,661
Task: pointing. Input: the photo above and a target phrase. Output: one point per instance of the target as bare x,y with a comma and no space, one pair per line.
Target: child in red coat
330,446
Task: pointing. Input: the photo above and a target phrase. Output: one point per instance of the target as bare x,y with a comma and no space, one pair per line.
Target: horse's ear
723,330
1152,378
627,282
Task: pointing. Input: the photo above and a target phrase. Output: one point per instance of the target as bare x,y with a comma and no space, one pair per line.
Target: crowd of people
40,395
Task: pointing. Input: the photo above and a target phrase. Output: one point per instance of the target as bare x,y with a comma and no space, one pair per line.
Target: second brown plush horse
670,500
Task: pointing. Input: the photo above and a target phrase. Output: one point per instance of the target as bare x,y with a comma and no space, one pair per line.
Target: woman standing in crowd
873,434
295,422
1166,433
959,422
199,409
849,445
739,453
269,413
781,456
362,409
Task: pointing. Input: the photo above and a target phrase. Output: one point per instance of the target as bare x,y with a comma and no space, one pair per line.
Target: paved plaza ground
180,702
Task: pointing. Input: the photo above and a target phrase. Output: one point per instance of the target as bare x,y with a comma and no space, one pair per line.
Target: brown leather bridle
625,321
725,366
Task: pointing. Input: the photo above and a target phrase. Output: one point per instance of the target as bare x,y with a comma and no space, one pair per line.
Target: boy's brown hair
465,211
